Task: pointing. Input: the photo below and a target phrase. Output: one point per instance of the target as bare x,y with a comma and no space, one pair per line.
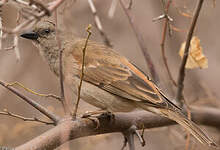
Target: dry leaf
196,58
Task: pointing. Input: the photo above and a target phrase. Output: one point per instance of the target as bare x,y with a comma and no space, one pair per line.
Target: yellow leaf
196,58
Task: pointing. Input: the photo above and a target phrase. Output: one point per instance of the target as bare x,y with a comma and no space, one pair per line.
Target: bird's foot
99,114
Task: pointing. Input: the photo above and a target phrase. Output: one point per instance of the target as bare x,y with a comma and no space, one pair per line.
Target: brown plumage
110,80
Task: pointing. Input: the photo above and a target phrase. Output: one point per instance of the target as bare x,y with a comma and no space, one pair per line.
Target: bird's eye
46,31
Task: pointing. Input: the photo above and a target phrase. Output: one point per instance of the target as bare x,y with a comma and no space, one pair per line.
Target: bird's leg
107,115
129,138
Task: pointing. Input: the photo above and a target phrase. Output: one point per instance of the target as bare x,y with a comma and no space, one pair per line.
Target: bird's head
43,33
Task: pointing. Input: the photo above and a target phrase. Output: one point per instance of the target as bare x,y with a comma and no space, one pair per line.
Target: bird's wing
115,74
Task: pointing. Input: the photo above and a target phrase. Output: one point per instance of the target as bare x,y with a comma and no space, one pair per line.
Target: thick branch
122,121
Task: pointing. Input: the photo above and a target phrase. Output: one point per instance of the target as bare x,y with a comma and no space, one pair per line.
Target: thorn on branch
129,137
163,16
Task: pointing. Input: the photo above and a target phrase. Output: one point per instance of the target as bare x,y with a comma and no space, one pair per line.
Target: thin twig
166,22
33,92
35,119
55,4
181,75
16,49
64,100
40,6
62,91
99,24
82,69
34,104
141,43
32,19
23,3
112,8
9,48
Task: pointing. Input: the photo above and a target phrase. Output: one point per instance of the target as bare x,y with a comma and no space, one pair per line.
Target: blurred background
200,86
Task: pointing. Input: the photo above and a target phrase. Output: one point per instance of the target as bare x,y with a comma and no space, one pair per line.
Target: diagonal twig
33,92
181,74
35,119
112,8
166,22
99,24
34,104
140,42
82,69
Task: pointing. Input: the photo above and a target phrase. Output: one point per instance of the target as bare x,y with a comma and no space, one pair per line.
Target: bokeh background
201,86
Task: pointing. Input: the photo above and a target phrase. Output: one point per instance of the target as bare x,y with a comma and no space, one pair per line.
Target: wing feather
115,74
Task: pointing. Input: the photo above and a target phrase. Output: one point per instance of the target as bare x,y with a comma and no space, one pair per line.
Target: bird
111,81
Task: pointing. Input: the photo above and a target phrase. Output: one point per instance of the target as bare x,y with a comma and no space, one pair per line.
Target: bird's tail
174,113
190,126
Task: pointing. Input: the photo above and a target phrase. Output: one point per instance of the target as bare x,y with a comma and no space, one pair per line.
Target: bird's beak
30,35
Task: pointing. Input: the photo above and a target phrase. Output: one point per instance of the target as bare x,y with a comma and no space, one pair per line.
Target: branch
82,69
33,92
140,42
181,75
35,119
34,104
33,19
122,121
112,8
99,24
166,23
65,102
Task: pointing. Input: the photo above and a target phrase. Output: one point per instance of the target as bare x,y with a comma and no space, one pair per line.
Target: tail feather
190,126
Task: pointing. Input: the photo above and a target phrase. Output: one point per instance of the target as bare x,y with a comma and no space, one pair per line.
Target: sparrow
110,82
